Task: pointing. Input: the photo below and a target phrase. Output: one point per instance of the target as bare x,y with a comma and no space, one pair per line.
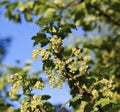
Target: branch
105,14
70,77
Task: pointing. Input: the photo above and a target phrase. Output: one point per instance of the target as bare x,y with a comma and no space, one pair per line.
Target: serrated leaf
67,27
40,38
48,20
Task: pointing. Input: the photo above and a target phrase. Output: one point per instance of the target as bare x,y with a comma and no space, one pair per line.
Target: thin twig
69,76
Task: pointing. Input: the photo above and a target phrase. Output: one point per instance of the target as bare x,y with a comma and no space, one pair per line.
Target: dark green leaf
4,2
48,107
40,38
45,97
115,6
88,107
68,26
17,18
86,97
8,14
48,64
48,20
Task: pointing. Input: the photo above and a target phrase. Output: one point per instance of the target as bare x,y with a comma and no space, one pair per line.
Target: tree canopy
90,65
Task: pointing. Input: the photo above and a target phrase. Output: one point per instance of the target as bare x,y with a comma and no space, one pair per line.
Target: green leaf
8,14
48,20
115,6
45,29
48,64
103,102
67,51
39,9
88,107
12,6
4,2
87,97
45,97
17,18
40,38
15,97
48,107
28,17
14,69
67,27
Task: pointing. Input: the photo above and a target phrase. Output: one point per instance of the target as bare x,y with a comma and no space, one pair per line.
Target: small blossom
87,58
95,93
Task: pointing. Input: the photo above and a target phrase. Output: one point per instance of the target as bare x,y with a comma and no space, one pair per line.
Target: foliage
93,81
4,43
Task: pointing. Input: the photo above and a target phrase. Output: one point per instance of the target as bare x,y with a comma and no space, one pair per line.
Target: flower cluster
16,80
55,79
77,52
59,65
39,51
36,53
75,62
56,44
46,55
34,104
19,80
15,88
79,62
73,67
107,87
25,106
39,85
